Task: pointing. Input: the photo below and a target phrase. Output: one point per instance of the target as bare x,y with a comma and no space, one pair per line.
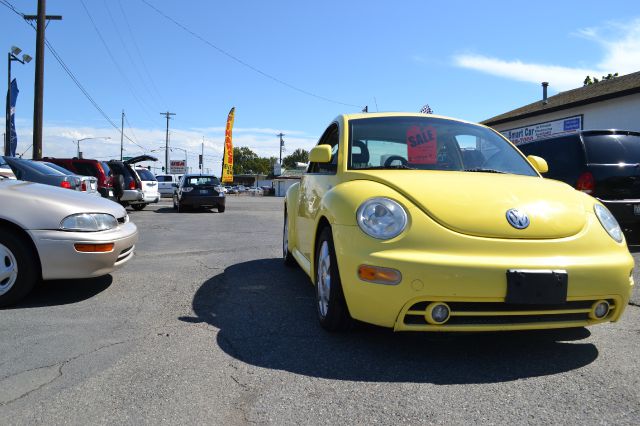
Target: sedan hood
477,203
37,206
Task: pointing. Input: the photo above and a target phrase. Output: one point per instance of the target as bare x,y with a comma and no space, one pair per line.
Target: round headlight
381,218
608,222
88,222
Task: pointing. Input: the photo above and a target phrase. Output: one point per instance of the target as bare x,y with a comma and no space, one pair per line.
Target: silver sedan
53,233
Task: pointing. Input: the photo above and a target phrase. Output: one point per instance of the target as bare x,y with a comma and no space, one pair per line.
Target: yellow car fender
291,201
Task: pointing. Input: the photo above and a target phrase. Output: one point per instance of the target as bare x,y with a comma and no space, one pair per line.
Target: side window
330,137
563,155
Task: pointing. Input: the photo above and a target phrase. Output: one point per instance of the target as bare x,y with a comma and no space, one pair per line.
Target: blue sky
292,66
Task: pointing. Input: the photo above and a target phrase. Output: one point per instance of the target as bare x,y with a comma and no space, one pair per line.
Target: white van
165,185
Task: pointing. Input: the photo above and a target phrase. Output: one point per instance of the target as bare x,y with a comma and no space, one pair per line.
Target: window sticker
422,145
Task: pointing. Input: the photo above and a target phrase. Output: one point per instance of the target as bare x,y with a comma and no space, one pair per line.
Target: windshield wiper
481,170
392,167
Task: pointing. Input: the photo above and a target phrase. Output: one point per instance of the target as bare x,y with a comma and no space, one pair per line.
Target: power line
135,44
241,62
64,66
115,62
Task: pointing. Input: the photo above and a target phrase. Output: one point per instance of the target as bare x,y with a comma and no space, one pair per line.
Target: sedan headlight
88,222
608,222
381,218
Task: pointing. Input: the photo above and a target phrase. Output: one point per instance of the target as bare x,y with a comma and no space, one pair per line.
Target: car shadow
64,292
266,316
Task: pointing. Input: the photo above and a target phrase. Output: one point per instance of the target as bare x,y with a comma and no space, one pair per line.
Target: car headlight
88,222
381,218
187,189
608,222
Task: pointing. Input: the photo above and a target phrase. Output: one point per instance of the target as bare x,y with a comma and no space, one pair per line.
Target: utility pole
38,94
122,136
281,146
166,147
202,157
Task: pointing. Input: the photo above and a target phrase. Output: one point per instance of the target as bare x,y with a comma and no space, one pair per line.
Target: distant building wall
621,113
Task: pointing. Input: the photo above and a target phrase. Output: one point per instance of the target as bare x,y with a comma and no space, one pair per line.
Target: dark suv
86,167
602,163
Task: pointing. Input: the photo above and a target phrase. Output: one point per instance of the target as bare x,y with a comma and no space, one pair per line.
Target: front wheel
17,268
220,209
333,313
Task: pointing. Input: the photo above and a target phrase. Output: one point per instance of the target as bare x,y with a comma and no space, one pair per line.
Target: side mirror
539,163
320,154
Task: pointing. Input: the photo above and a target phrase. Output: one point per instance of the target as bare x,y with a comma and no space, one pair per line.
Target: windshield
612,149
163,178
58,168
42,168
201,181
145,175
427,143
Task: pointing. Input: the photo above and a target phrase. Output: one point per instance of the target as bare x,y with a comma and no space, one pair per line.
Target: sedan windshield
428,143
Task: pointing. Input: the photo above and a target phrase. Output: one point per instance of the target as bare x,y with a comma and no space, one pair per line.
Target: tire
118,186
288,258
221,209
332,310
18,268
138,207
175,205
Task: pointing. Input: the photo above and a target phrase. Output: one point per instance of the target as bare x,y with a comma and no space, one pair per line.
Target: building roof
597,92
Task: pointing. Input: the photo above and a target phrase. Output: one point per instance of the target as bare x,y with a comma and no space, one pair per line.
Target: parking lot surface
206,326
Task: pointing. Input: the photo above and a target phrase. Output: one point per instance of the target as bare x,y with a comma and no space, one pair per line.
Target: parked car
88,167
198,191
127,186
88,184
149,188
396,227
50,233
33,171
602,163
166,185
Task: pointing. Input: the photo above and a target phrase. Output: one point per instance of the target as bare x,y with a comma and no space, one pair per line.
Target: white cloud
619,41
61,141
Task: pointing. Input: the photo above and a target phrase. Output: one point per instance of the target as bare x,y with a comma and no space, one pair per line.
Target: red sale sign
422,145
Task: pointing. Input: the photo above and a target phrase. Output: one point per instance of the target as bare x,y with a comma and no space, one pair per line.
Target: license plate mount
536,287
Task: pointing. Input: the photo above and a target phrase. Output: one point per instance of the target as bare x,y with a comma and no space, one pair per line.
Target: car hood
477,203
37,206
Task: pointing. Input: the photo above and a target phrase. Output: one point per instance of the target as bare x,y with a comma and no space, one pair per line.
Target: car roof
399,114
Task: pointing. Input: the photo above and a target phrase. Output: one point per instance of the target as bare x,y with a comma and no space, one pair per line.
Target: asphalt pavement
206,326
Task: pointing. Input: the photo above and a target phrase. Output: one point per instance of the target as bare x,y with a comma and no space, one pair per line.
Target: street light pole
12,56
84,139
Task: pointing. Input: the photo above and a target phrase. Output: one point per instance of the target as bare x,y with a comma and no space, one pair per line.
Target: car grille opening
499,313
125,254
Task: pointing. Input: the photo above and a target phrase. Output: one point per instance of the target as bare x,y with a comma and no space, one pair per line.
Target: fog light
599,310
437,313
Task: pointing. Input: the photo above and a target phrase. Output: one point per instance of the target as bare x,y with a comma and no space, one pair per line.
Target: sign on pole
178,167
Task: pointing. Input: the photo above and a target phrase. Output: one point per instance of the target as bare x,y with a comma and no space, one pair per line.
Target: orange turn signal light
94,248
377,274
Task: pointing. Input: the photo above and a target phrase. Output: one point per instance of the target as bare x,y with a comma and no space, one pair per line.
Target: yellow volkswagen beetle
427,223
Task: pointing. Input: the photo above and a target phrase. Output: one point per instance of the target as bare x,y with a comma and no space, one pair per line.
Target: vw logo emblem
517,218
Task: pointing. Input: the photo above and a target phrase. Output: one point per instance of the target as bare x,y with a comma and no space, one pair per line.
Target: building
288,177
608,104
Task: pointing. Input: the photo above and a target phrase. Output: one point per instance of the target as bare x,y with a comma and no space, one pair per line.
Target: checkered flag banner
426,109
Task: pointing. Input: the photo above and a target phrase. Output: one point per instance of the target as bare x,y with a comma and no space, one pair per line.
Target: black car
602,163
198,191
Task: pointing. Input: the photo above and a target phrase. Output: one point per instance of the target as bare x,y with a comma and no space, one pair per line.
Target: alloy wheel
8,269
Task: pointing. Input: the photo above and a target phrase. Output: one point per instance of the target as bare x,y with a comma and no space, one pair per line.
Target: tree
593,80
298,156
246,161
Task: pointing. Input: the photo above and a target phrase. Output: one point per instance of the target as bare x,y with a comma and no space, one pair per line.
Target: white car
49,233
166,185
149,188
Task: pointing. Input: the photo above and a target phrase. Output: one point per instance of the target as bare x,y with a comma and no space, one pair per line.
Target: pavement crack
58,374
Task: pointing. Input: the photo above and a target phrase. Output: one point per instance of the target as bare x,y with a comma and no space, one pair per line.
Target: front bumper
469,274
60,260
